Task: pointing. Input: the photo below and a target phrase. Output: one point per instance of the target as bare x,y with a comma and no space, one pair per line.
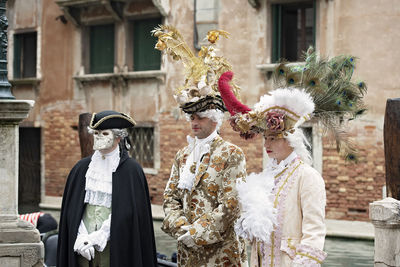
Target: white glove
187,238
84,246
99,239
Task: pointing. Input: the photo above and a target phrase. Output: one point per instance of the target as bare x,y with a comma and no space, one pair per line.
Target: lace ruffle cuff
308,256
99,239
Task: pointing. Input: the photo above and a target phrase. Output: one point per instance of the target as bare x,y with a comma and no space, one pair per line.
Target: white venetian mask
103,139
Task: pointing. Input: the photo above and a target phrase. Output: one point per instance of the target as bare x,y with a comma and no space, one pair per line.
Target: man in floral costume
200,199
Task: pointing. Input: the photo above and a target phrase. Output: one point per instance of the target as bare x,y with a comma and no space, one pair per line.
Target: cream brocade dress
299,197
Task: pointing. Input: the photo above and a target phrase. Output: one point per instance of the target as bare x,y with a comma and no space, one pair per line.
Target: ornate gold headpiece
200,90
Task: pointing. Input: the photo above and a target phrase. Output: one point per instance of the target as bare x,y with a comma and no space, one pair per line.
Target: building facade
78,56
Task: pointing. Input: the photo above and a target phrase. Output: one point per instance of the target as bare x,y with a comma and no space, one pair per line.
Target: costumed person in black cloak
106,215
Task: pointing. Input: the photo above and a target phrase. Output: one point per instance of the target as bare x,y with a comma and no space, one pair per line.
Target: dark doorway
29,170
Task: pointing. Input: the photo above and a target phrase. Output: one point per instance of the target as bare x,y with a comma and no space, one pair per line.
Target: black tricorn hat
110,119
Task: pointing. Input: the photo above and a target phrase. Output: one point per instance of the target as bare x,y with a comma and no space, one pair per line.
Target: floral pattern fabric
210,208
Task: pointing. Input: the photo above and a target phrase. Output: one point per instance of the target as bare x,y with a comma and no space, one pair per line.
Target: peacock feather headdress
200,89
323,89
337,98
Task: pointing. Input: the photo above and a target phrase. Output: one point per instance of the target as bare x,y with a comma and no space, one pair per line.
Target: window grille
142,145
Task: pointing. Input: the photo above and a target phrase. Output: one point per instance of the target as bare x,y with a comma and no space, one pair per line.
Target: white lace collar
99,178
275,168
197,148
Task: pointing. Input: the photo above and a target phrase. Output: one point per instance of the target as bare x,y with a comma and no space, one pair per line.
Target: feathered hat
200,90
321,89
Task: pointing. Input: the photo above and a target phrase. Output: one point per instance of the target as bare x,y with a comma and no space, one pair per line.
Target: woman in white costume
288,193
283,208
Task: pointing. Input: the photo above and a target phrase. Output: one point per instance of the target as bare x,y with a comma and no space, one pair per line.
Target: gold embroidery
309,256
279,174
289,243
122,116
276,203
283,184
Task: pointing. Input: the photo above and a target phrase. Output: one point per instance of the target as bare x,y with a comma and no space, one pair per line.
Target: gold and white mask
103,139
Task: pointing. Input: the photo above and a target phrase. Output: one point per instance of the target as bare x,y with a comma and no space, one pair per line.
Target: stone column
20,243
384,215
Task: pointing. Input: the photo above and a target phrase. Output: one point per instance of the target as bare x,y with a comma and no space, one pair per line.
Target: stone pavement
335,228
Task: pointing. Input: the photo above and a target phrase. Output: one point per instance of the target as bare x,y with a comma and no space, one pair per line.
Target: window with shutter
145,57
205,19
293,29
25,55
101,49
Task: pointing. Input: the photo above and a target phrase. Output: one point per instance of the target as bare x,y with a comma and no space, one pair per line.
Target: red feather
232,104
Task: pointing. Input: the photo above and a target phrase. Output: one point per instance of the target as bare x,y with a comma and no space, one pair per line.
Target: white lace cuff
82,228
99,240
308,256
100,237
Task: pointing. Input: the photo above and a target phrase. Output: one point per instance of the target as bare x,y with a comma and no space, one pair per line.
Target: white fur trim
295,100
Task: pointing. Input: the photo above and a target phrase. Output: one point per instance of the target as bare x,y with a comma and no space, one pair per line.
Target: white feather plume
258,216
295,100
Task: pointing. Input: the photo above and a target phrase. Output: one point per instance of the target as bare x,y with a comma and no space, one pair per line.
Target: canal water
341,251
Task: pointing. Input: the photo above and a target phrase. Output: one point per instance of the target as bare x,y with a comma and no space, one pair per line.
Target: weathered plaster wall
364,28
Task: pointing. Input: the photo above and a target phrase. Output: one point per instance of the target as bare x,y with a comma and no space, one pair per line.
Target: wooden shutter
25,55
17,56
29,55
288,41
102,48
145,57
276,32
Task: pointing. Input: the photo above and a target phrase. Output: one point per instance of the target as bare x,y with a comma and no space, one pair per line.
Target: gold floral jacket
210,208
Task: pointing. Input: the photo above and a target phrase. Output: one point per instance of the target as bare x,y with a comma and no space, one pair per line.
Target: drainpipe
195,34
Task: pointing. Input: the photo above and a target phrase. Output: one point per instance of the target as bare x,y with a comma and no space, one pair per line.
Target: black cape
132,236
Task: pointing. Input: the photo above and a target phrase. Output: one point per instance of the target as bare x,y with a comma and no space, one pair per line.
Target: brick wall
60,144
351,187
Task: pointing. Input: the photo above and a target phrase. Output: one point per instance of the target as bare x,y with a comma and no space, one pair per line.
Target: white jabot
99,178
274,168
197,148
